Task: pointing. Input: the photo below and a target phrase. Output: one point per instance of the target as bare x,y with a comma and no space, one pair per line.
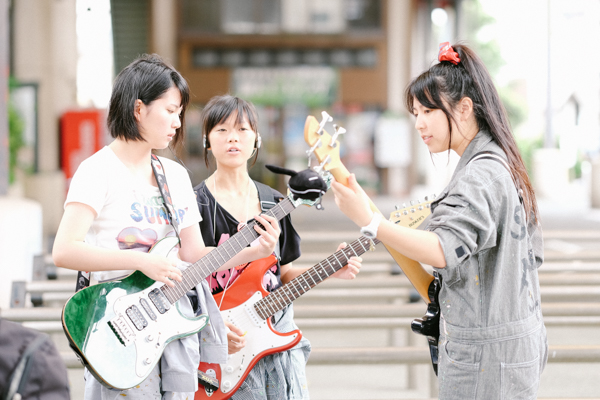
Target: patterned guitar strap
83,277
161,181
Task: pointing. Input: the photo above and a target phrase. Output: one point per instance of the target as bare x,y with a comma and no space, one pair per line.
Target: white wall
45,52
20,241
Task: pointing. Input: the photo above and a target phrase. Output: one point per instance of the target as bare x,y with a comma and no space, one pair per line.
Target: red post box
82,134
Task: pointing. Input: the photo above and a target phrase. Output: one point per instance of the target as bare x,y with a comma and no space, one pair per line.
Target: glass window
271,17
365,57
201,15
363,14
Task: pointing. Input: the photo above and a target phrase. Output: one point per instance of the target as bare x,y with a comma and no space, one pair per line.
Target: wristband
370,230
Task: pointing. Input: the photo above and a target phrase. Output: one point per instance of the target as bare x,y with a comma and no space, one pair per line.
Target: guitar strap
161,181
83,277
267,201
490,155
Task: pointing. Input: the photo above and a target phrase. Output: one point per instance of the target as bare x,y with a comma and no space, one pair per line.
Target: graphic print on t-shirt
133,238
151,210
221,279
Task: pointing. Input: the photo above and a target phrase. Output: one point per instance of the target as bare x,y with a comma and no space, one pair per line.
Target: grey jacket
490,278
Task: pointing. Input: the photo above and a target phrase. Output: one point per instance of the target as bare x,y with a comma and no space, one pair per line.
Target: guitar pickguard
120,332
261,340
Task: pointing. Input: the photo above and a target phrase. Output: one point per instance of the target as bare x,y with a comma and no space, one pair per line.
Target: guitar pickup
160,301
148,310
136,317
208,381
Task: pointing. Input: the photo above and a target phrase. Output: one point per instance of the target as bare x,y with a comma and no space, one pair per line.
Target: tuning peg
338,131
403,205
312,149
326,118
397,207
412,203
320,167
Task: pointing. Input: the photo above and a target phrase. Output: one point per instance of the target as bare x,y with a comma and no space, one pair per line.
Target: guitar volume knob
229,369
226,385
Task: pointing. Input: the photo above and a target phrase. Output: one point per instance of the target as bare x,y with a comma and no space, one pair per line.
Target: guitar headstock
325,147
413,215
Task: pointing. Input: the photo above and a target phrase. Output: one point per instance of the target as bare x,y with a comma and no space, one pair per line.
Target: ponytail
450,82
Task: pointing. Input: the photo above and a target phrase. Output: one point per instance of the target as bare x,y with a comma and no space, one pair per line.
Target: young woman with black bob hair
227,199
114,204
483,239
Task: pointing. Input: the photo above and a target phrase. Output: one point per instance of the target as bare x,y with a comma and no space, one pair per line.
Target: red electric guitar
249,306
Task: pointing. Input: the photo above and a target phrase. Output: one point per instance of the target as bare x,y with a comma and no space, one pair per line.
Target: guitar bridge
122,330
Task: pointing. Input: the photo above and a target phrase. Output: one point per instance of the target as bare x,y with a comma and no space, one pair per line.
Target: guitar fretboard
289,292
211,262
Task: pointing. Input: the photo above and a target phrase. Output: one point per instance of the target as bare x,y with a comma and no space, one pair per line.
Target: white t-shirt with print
130,213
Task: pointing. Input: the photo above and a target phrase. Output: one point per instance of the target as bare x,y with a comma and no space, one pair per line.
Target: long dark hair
470,78
147,78
218,109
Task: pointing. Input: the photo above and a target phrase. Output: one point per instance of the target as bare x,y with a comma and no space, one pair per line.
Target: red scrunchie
447,53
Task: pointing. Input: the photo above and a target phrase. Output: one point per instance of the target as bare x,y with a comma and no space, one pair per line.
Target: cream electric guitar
429,324
327,151
250,307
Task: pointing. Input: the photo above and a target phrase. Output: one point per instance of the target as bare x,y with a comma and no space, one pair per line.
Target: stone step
402,355
361,323
409,310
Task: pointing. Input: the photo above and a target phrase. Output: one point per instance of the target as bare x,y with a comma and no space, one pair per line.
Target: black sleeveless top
225,226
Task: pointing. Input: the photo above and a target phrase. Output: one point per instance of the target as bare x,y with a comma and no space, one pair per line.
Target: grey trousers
501,362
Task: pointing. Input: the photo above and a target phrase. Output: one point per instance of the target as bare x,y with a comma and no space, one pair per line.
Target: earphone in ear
258,141
205,142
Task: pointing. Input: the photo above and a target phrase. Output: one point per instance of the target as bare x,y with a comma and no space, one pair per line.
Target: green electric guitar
119,329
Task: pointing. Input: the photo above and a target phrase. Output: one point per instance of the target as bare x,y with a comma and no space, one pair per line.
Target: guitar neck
414,271
310,278
211,262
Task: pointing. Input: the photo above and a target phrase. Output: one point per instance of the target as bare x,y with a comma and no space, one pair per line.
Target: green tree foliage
475,20
15,135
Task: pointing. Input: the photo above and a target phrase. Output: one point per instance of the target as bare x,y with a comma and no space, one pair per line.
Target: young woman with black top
229,198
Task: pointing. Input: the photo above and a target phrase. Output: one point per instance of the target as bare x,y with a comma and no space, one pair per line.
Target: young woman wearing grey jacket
484,238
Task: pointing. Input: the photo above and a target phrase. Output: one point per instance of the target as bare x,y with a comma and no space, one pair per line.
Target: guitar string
313,274
279,211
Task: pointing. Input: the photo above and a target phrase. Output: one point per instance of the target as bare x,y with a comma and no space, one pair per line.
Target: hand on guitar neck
354,202
326,149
